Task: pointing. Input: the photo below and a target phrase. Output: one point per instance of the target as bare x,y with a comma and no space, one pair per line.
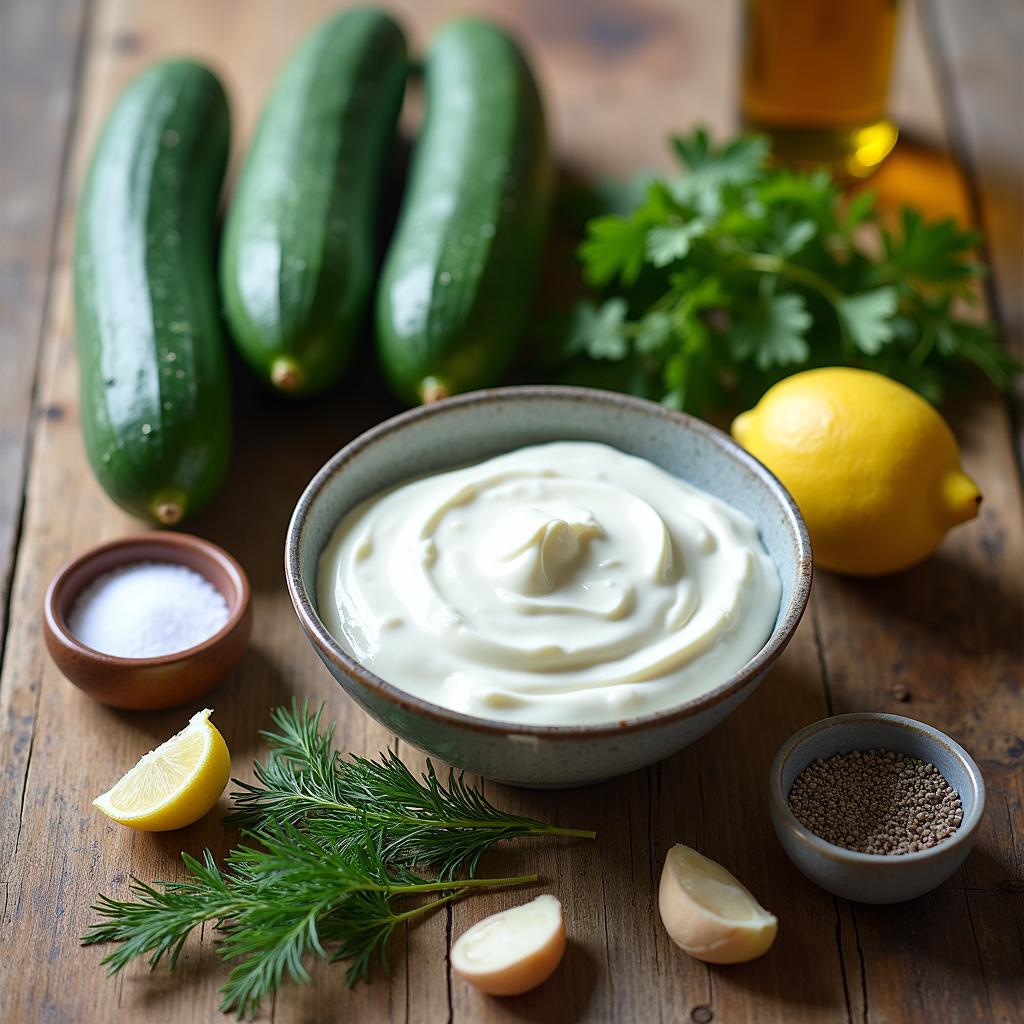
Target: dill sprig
274,906
308,784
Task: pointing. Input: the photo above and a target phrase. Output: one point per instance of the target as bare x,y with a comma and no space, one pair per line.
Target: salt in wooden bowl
149,684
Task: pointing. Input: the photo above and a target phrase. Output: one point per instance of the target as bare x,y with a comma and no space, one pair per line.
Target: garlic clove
513,951
708,913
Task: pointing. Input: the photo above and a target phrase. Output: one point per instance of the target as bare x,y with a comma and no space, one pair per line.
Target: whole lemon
874,469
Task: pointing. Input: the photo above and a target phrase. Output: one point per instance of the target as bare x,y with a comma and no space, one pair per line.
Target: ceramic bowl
481,424
148,684
867,877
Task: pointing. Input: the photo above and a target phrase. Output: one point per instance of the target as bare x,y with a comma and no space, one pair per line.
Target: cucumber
459,275
152,360
298,259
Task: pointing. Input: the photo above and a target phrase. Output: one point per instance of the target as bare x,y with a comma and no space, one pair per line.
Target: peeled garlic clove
513,951
708,913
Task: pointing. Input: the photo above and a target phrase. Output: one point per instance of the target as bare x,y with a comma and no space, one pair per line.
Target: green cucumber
152,361
459,275
298,260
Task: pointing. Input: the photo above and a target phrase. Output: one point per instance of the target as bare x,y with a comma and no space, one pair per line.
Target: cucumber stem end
286,375
433,390
168,512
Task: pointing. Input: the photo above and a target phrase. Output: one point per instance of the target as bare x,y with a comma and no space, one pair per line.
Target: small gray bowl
473,427
868,877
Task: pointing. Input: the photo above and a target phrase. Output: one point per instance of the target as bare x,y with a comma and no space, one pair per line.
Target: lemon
174,785
874,469
708,913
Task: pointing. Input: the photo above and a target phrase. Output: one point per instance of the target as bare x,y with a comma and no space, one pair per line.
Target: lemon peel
873,467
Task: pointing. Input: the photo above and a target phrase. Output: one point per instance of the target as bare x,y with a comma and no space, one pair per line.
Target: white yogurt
561,584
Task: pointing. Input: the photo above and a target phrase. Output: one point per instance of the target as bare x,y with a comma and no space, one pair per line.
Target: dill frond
307,783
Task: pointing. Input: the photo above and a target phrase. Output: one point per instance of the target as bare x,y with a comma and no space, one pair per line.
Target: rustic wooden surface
40,47
617,77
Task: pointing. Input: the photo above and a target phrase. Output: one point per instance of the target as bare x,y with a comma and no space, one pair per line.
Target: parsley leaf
671,242
939,252
796,236
615,247
772,332
740,160
867,318
720,280
654,332
598,331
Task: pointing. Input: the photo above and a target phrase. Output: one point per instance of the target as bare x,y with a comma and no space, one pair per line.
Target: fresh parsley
715,284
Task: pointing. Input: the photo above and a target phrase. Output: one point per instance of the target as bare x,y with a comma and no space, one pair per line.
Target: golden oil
816,80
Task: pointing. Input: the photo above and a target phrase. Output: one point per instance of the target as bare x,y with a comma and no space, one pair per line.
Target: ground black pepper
876,801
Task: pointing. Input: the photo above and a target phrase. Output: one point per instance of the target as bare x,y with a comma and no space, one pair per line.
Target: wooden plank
600,64
48,883
977,55
949,633
984,98
914,101
280,663
39,46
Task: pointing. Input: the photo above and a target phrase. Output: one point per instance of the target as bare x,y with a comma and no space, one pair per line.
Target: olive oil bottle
816,80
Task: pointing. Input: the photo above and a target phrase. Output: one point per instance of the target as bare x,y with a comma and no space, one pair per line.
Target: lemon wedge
174,785
708,913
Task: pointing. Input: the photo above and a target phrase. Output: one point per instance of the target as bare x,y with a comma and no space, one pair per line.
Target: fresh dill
307,783
325,870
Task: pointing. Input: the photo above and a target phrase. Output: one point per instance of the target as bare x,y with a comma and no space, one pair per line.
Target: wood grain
984,98
919,635
39,50
617,79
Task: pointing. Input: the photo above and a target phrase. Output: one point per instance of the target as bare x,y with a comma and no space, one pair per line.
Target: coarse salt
147,610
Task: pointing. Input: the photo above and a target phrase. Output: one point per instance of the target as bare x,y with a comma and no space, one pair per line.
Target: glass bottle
816,80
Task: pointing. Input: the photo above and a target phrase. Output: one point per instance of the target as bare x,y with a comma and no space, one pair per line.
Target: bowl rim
328,647
935,738
57,625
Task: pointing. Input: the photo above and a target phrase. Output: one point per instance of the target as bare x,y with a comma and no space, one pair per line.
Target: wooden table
617,78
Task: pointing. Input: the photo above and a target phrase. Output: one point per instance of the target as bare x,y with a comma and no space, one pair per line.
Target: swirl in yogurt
565,583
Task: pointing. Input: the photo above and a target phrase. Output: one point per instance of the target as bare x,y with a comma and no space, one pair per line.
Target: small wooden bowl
148,684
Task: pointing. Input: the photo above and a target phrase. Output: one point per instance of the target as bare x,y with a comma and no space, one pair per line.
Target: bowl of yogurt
549,586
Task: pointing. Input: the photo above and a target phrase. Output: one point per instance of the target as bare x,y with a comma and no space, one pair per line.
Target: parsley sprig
721,281
326,869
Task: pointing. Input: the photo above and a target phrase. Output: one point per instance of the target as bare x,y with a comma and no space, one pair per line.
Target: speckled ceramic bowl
472,427
868,877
